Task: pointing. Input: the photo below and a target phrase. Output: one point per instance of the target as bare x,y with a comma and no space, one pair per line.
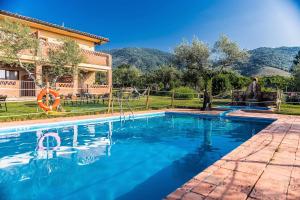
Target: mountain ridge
263,60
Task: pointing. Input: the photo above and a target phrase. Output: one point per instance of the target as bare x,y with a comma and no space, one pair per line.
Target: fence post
172,100
109,100
278,100
147,98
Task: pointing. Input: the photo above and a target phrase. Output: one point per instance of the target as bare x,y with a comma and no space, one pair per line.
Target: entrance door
27,87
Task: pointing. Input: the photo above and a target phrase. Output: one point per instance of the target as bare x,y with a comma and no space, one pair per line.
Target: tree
220,84
168,76
228,54
64,60
296,61
126,76
16,39
195,56
296,71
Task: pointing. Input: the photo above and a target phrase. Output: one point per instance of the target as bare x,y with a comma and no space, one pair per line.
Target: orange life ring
45,92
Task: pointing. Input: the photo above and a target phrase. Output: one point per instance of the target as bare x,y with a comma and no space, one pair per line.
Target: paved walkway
267,166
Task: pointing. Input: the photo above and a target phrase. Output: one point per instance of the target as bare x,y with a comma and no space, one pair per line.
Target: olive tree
15,40
64,60
208,62
296,71
126,75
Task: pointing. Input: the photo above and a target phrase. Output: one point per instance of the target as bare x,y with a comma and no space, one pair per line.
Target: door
27,87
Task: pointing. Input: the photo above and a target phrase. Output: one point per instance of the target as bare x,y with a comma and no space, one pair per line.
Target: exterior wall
56,39
10,88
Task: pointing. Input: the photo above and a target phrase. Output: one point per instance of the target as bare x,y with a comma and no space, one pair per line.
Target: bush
220,84
184,93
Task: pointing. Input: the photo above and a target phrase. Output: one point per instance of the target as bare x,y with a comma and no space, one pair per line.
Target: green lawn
29,110
290,109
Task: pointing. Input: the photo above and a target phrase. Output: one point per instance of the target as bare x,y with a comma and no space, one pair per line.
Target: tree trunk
207,95
29,74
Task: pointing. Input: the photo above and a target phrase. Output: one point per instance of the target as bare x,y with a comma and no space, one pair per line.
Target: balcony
97,59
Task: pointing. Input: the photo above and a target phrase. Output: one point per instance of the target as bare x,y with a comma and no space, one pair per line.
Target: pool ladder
122,113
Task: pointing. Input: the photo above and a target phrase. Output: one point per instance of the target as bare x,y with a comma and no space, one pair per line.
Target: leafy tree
16,39
168,76
296,71
228,53
195,56
238,81
126,76
64,60
220,84
275,82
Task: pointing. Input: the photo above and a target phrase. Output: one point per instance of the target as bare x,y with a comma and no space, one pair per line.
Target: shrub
220,84
184,93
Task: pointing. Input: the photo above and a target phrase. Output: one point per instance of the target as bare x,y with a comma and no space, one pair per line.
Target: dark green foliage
238,81
165,77
296,60
184,93
220,84
126,76
276,82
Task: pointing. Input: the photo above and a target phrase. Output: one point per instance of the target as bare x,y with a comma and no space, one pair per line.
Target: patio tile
193,196
201,176
225,192
294,189
246,167
204,188
191,184
281,170
271,186
218,176
176,195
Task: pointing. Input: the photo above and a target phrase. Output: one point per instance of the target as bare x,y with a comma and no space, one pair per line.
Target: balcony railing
91,57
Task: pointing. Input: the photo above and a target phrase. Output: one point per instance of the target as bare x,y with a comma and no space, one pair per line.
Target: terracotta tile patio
267,166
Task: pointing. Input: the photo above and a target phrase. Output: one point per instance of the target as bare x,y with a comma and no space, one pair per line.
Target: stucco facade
14,81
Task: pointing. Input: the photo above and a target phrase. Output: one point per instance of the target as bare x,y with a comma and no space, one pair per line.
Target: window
2,74
12,75
9,74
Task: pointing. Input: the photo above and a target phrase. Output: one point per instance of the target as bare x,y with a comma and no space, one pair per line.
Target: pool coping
267,166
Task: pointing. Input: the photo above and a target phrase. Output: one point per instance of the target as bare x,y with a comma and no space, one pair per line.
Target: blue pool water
145,158
245,107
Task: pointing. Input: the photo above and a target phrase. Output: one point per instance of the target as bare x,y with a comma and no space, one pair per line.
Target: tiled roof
52,25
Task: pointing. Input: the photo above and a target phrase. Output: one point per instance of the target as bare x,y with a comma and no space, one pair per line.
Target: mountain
263,61
143,58
269,61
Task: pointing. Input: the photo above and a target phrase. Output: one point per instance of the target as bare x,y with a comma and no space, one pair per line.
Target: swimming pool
144,158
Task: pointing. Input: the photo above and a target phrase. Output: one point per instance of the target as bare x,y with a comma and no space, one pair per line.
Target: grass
29,110
289,109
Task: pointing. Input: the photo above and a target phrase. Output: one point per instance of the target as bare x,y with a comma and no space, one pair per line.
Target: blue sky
163,24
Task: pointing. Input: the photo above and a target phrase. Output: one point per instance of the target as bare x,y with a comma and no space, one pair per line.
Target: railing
91,57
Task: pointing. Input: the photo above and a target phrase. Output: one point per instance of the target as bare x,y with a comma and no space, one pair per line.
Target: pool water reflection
144,158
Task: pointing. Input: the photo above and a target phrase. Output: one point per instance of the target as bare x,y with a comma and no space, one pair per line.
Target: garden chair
3,102
67,99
